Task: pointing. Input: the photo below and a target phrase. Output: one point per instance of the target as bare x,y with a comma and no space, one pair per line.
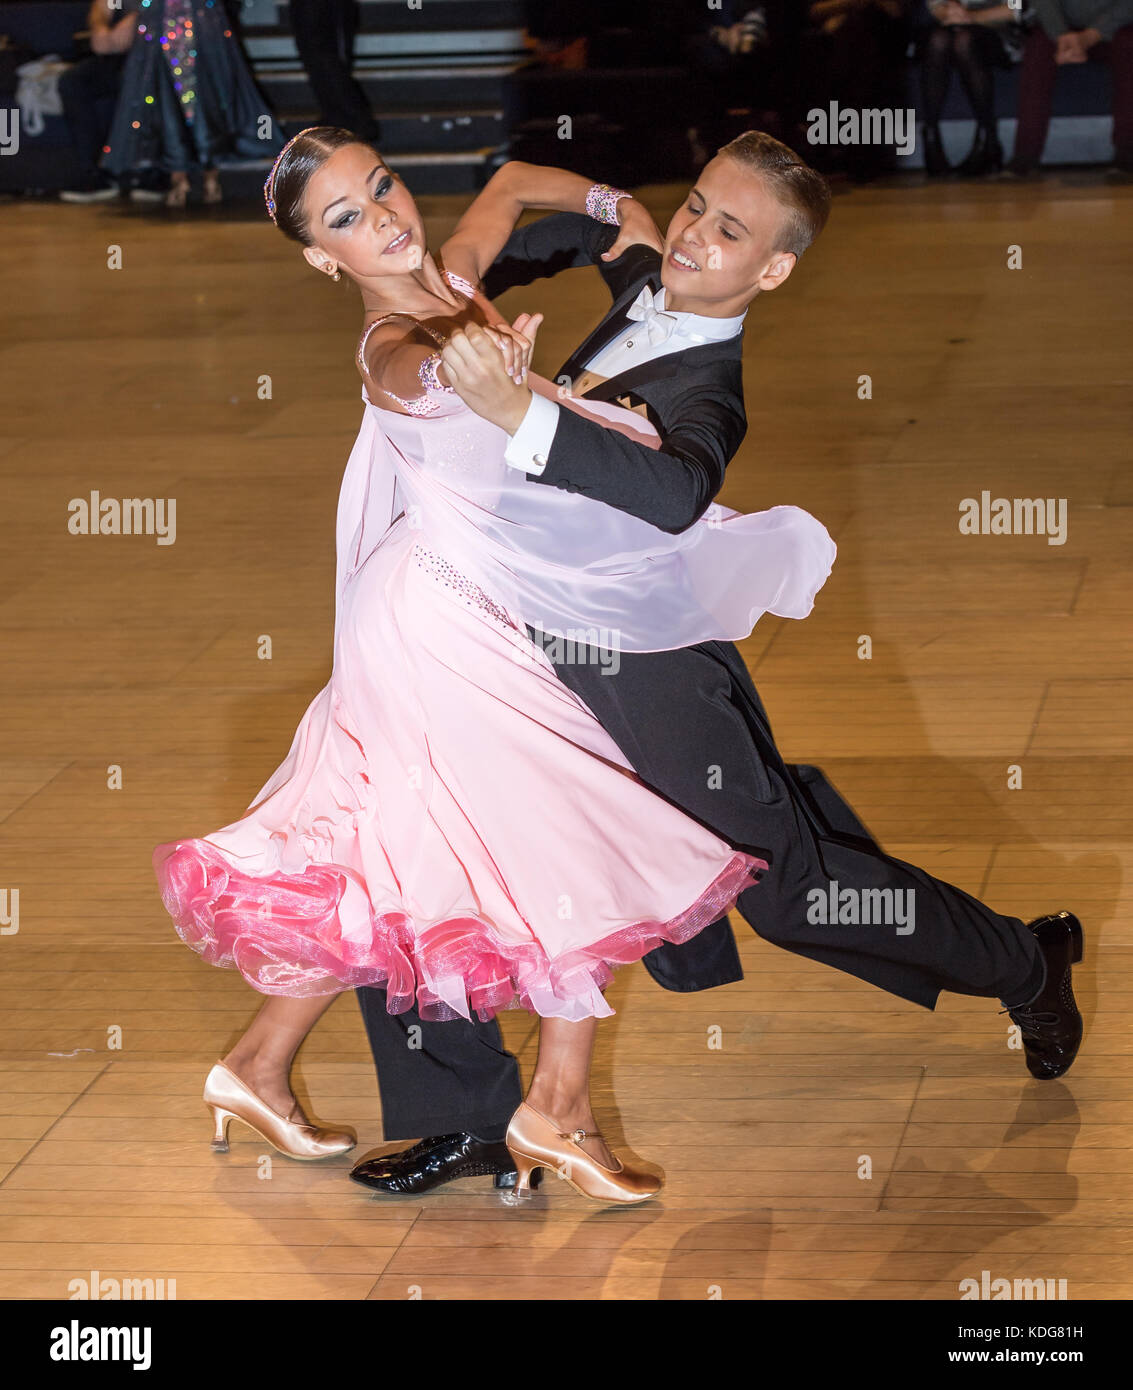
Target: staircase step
419,88
395,16
424,171
617,93
393,50
438,131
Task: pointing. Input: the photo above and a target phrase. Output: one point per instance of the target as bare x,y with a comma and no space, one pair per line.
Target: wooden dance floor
837,1142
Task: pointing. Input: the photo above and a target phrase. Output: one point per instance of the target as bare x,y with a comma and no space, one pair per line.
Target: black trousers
860,66
324,35
88,92
692,725
439,1078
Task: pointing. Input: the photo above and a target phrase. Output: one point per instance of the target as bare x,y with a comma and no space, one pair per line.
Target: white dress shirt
651,333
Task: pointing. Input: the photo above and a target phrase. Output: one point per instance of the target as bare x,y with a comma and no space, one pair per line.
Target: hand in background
1070,48
951,12
111,31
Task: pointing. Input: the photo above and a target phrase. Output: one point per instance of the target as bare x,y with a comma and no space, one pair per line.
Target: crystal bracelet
602,203
427,373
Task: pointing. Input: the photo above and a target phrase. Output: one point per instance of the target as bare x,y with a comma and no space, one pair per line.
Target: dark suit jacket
664,709
693,398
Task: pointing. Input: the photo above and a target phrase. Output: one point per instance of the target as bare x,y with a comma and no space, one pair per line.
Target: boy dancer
690,721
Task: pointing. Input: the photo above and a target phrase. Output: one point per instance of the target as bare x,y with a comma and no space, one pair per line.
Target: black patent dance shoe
935,160
429,1164
1050,1024
985,157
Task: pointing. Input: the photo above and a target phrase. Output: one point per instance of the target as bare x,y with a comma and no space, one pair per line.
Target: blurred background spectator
626,90
88,90
743,73
1071,32
970,38
187,99
853,52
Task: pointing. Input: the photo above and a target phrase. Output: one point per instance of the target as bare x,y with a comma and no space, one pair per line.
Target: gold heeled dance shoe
534,1142
230,1099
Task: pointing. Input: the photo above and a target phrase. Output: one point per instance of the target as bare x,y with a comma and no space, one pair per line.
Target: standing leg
324,37
936,77
560,1088
86,92
439,1078
1121,64
977,51
252,1084
262,1058
178,194
975,56
555,1126
1036,90
454,1083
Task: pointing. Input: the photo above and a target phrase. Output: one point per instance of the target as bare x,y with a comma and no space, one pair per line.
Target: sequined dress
451,822
187,98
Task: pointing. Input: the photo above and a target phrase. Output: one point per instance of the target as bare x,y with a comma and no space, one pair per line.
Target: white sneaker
105,193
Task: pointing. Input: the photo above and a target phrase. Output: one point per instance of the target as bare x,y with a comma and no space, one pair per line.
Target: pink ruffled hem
285,936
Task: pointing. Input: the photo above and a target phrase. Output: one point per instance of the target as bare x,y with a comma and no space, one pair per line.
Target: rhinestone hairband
269,182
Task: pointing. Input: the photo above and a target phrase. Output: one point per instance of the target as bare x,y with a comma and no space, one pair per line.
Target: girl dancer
451,823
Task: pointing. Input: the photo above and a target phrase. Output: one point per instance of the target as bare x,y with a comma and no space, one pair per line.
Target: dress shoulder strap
397,314
459,284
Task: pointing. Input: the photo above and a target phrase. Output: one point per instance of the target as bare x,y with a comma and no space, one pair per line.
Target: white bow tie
659,326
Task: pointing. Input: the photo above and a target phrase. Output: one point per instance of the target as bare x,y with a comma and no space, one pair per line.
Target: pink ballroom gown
451,823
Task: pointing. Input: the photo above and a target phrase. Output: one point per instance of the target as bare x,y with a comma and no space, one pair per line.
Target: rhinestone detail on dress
448,575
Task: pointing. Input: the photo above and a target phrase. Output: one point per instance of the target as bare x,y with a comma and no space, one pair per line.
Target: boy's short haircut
803,192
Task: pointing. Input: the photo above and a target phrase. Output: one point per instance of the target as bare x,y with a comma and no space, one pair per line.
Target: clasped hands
1074,47
1071,47
487,368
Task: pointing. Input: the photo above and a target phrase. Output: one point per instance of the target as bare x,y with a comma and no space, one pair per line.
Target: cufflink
539,459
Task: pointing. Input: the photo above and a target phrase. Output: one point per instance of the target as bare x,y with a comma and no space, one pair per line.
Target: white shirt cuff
530,446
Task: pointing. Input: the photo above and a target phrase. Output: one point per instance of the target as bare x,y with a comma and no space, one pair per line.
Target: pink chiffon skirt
451,824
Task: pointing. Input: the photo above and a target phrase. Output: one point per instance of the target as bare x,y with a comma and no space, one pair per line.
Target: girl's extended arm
481,233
